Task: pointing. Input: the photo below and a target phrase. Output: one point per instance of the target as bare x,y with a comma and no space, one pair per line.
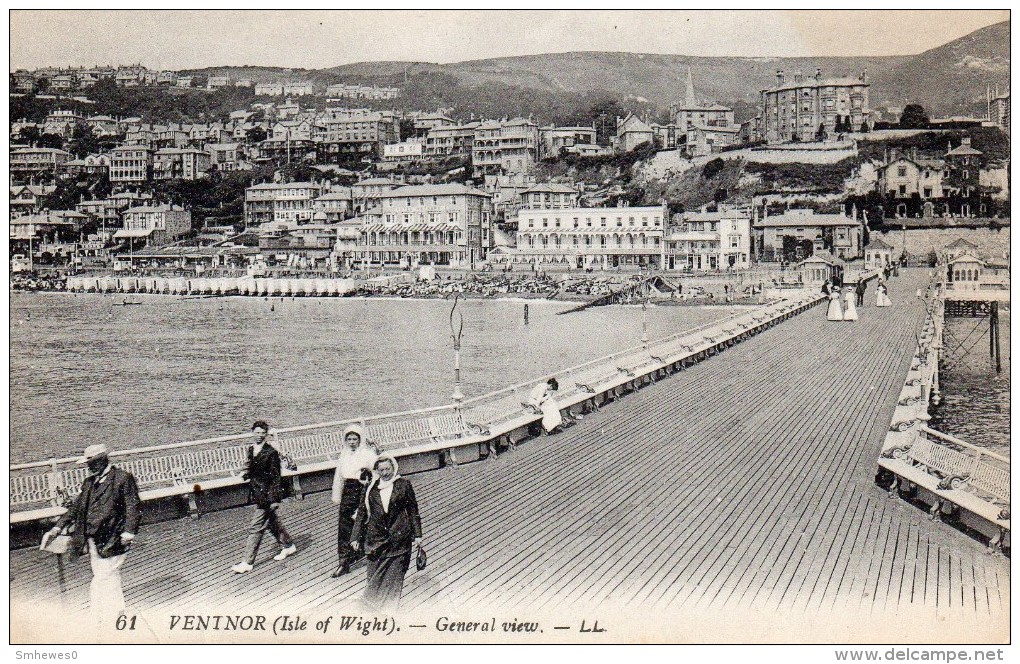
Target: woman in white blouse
353,473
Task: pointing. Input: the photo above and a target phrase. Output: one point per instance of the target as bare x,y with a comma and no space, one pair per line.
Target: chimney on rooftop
780,78
798,77
818,74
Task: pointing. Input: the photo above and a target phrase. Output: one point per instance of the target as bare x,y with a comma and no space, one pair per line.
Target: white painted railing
173,469
926,456
971,466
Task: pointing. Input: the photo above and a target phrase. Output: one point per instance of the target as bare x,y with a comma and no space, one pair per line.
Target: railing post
54,482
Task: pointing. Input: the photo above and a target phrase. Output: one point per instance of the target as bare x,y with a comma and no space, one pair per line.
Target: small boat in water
126,303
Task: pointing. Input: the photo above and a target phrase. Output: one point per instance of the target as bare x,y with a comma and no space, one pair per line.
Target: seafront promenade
737,494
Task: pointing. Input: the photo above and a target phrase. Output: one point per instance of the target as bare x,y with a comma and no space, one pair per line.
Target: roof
154,208
877,244
822,256
136,232
962,243
375,181
964,151
434,190
39,219
283,185
50,150
633,123
343,195
37,189
805,218
810,82
966,258
441,226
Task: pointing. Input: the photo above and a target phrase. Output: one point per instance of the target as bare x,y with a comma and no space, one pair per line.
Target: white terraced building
596,238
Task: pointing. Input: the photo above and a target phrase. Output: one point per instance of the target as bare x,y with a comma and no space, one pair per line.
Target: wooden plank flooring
742,485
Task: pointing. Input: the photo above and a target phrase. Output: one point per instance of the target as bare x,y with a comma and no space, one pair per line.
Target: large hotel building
795,110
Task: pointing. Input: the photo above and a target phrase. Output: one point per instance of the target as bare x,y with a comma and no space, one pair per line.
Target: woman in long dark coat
390,526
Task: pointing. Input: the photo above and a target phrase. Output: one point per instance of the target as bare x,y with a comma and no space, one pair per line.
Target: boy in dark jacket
266,491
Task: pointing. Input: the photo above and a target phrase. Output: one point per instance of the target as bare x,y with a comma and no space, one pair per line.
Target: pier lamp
644,324
644,320
456,331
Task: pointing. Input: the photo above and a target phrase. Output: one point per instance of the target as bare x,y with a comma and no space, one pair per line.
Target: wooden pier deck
734,500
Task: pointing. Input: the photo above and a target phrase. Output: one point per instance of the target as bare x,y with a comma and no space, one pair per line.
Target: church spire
689,101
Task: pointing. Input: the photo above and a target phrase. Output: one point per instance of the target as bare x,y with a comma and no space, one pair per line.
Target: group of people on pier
843,302
378,515
378,519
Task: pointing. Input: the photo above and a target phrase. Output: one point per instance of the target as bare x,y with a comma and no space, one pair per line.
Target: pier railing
40,489
953,474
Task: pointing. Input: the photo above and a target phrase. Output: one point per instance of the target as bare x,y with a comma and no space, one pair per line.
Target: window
903,189
901,171
545,223
644,221
927,192
603,222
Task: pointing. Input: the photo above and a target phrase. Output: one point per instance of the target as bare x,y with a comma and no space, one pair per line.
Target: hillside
951,78
947,80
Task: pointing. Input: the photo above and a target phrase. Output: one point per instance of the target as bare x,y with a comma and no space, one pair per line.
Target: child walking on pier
266,480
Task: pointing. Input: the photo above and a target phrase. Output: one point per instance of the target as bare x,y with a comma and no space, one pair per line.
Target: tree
256,135
84,141
914,117
712,168
51,141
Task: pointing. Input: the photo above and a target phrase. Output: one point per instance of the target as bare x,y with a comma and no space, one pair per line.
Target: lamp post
644,319
456,331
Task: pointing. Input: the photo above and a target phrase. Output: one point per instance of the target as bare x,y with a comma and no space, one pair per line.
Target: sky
318,39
